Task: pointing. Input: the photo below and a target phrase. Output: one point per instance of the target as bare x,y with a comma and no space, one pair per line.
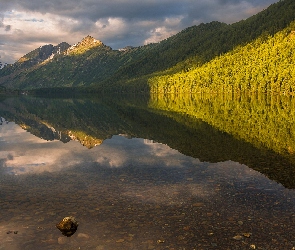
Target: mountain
91,65
29,62
39,55
87,43
79,65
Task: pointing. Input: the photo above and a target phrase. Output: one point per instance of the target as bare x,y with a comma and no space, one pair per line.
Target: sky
27,24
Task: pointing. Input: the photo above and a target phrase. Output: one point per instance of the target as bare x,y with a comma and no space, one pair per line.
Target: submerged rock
68,226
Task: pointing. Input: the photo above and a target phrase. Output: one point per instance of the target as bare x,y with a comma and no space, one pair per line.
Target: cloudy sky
28,24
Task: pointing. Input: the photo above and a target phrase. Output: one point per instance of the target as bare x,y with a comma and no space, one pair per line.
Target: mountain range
91,65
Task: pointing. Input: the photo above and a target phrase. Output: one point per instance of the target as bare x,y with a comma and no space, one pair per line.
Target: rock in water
68,226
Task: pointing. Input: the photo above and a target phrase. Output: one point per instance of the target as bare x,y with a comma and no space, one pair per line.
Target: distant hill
92,66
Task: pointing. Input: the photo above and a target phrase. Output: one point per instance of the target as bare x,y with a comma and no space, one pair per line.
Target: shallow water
134,193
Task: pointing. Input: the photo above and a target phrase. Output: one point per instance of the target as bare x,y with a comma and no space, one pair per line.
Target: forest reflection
263,120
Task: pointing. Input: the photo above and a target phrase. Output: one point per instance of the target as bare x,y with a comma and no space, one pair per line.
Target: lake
148,172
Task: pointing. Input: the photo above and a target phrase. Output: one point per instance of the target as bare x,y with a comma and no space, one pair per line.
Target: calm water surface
141,173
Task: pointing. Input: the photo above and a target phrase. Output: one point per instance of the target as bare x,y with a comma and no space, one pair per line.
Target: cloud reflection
24,153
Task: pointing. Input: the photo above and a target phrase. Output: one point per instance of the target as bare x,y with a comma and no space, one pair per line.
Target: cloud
3,26
28,24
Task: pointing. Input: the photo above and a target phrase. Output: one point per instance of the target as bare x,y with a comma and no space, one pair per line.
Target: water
139,173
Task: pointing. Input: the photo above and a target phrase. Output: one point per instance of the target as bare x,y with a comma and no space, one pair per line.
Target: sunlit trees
265,65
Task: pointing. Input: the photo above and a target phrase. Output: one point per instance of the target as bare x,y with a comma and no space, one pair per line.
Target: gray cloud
94,10
117,23
133,10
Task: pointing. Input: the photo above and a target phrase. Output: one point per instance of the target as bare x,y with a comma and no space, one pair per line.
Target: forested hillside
100,68
199,44
265,65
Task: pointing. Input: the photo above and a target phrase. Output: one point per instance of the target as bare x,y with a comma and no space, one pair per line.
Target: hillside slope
265,65
199,44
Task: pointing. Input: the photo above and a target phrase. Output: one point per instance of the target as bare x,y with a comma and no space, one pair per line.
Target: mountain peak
43,53
90,40
87,43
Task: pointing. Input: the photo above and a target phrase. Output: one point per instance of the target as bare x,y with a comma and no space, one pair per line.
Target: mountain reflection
33,155
255,131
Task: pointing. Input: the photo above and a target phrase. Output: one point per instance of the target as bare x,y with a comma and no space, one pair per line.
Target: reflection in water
186,186
263,120
134,194
23,153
